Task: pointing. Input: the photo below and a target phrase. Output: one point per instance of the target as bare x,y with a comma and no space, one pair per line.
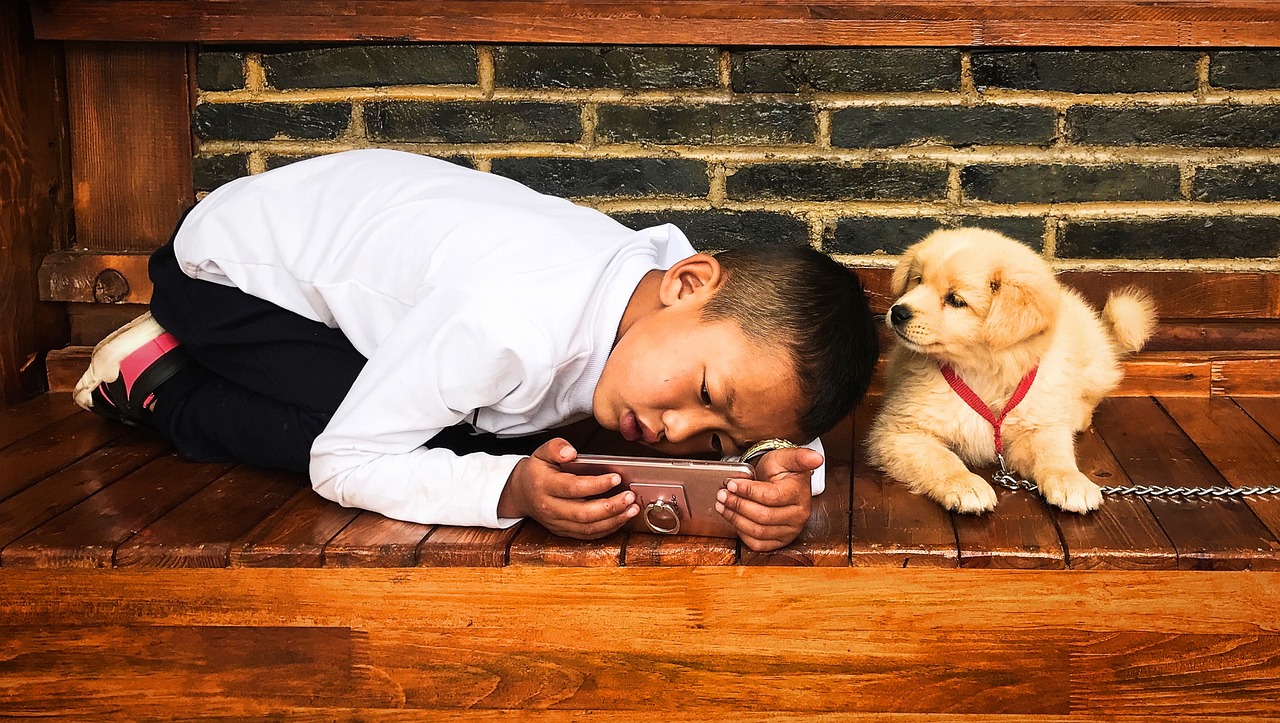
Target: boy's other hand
538,489
770,510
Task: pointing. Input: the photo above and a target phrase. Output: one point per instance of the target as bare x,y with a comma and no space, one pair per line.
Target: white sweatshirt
473,297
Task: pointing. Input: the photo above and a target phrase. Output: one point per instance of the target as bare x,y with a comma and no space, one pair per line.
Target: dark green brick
1087,71
717,229
1214,126
838,181
264,121
477,122
1063,183
751,123
277,161
860,235
1237,183
209,172
881,127
536,66
1245,69
611,177
217,70
1172,238
863,70
372,65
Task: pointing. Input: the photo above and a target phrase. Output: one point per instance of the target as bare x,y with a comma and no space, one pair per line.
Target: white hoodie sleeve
430,373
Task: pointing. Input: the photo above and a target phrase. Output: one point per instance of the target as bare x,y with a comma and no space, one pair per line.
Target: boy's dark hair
813,306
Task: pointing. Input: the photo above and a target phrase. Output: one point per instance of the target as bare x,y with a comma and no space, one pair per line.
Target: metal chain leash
1005,478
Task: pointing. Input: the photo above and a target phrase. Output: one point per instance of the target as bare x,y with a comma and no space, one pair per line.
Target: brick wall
1116,158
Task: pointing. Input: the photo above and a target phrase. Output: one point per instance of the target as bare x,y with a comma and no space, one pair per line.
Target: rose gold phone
676,496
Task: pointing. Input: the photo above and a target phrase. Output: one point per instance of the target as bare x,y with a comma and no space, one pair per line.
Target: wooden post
34,199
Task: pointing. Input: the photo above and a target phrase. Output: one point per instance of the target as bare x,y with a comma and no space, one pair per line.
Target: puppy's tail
1130,316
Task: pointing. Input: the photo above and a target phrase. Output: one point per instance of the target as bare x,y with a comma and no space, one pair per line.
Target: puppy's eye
916,280
954,301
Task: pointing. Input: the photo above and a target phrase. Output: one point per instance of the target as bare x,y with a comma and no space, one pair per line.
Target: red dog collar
976,404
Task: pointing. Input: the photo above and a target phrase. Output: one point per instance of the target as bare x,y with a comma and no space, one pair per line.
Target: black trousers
266,381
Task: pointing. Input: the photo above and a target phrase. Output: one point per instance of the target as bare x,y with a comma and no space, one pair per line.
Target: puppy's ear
902,273
1022,305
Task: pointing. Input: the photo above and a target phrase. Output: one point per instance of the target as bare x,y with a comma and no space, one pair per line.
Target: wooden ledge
1169,23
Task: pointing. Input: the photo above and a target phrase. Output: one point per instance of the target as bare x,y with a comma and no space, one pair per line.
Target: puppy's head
963,293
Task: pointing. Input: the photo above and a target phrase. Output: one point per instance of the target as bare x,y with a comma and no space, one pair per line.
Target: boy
337,314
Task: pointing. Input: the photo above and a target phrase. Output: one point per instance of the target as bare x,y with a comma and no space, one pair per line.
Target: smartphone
676,496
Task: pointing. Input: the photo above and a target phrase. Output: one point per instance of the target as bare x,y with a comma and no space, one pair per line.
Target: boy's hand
538,489
770,510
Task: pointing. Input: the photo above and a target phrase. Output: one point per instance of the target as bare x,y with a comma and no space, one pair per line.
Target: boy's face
689,387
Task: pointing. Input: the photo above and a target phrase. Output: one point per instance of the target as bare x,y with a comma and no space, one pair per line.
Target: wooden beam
131,143
35,208
1184,23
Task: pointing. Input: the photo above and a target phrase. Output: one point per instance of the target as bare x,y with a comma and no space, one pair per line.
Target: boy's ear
696,277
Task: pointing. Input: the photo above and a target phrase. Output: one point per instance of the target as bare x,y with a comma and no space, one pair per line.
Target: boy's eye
954,301
706,395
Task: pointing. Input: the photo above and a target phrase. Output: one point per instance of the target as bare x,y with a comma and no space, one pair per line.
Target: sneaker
127,367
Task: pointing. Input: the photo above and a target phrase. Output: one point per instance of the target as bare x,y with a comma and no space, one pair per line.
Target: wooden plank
87,535
133,100
1204,334
1233,675
294,535
176,665
649,549
35,204
1120,535
372,540
200,531
449,546
1208,534
1247,377
533,545
921,22
1265,411
891,527
825,538
53,495
1178,294
799,639
101,278
51,448
1243,453
20,420
1020,534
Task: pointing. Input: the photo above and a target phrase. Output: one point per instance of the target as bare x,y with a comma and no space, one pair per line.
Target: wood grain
748,640
892,527
35,205
87,534
201,531
131,99
1153,450
294,535
758,22
1242,452
69,486
19,420
372,540
1120,535
51,448
448,546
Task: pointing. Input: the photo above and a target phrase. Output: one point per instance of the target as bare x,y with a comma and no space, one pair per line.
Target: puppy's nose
899,314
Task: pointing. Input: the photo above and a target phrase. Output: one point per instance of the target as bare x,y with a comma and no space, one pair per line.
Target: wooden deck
133,584
79,492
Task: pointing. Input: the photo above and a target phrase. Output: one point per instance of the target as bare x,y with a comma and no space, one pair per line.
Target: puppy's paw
968,493
1071,491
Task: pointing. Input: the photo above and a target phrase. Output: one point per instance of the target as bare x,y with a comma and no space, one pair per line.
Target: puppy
988,310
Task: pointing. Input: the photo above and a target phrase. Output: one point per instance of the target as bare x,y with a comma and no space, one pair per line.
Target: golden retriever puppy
987,311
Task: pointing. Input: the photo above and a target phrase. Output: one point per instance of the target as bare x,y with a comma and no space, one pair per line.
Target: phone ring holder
665,509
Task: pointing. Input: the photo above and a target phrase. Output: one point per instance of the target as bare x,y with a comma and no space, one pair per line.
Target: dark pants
266,380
